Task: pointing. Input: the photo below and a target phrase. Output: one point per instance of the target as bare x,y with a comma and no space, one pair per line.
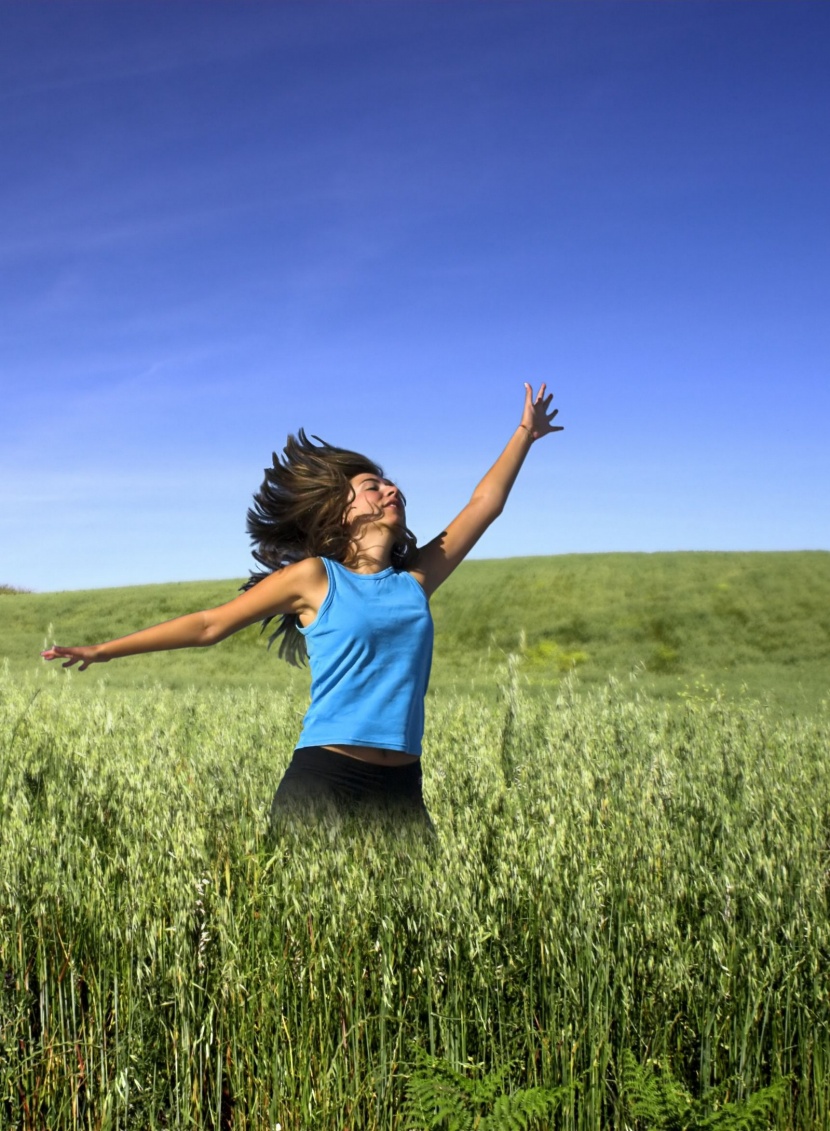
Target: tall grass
606,876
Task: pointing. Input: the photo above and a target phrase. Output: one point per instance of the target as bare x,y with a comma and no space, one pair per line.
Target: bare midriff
375,756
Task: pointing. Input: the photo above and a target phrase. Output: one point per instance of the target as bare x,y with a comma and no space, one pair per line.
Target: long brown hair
299,512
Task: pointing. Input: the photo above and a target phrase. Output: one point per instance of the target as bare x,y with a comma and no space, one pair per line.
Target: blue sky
222,221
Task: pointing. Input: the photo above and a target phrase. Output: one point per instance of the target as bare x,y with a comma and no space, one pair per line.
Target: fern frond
437,1096
440,1098
659,1101
663,1104
524,1110
749,1114
432,1103
486,1089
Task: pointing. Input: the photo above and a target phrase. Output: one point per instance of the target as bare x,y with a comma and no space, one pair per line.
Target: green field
627,760
756,623
610,877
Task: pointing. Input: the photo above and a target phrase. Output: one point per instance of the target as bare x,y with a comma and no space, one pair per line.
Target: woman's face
376,499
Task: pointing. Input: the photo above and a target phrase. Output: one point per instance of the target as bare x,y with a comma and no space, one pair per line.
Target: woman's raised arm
439,558
298,589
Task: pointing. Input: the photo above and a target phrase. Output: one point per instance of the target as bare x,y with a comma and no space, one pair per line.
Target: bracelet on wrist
529,432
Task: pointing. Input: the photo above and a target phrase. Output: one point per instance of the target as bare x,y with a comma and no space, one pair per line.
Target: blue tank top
370,651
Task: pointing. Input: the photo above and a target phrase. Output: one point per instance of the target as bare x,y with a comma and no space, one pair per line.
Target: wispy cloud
219,222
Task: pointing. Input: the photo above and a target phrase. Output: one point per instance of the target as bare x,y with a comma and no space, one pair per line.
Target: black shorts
319,782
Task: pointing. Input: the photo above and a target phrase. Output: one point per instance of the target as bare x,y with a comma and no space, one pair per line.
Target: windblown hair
299,512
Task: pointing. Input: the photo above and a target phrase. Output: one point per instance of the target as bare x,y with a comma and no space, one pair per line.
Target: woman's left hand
537,417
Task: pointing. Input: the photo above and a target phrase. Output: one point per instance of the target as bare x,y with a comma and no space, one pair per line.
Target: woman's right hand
82,656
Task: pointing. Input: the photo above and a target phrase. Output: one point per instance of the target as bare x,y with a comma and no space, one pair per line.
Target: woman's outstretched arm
298,589
439,558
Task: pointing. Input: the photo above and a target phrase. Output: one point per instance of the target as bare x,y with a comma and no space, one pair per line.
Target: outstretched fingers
71,656
538,415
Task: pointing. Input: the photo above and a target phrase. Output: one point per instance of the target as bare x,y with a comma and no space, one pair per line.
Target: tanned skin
376,515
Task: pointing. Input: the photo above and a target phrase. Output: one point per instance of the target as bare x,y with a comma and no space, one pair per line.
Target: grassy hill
756,623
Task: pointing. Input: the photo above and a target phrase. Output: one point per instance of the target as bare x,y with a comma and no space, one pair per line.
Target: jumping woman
351,588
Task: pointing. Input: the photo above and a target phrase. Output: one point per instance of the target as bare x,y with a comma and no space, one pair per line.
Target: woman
343,573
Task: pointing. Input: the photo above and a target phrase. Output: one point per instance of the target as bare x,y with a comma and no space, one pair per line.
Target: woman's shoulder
308,569
302,577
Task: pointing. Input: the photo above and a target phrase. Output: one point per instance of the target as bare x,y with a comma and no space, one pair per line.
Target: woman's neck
370,557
